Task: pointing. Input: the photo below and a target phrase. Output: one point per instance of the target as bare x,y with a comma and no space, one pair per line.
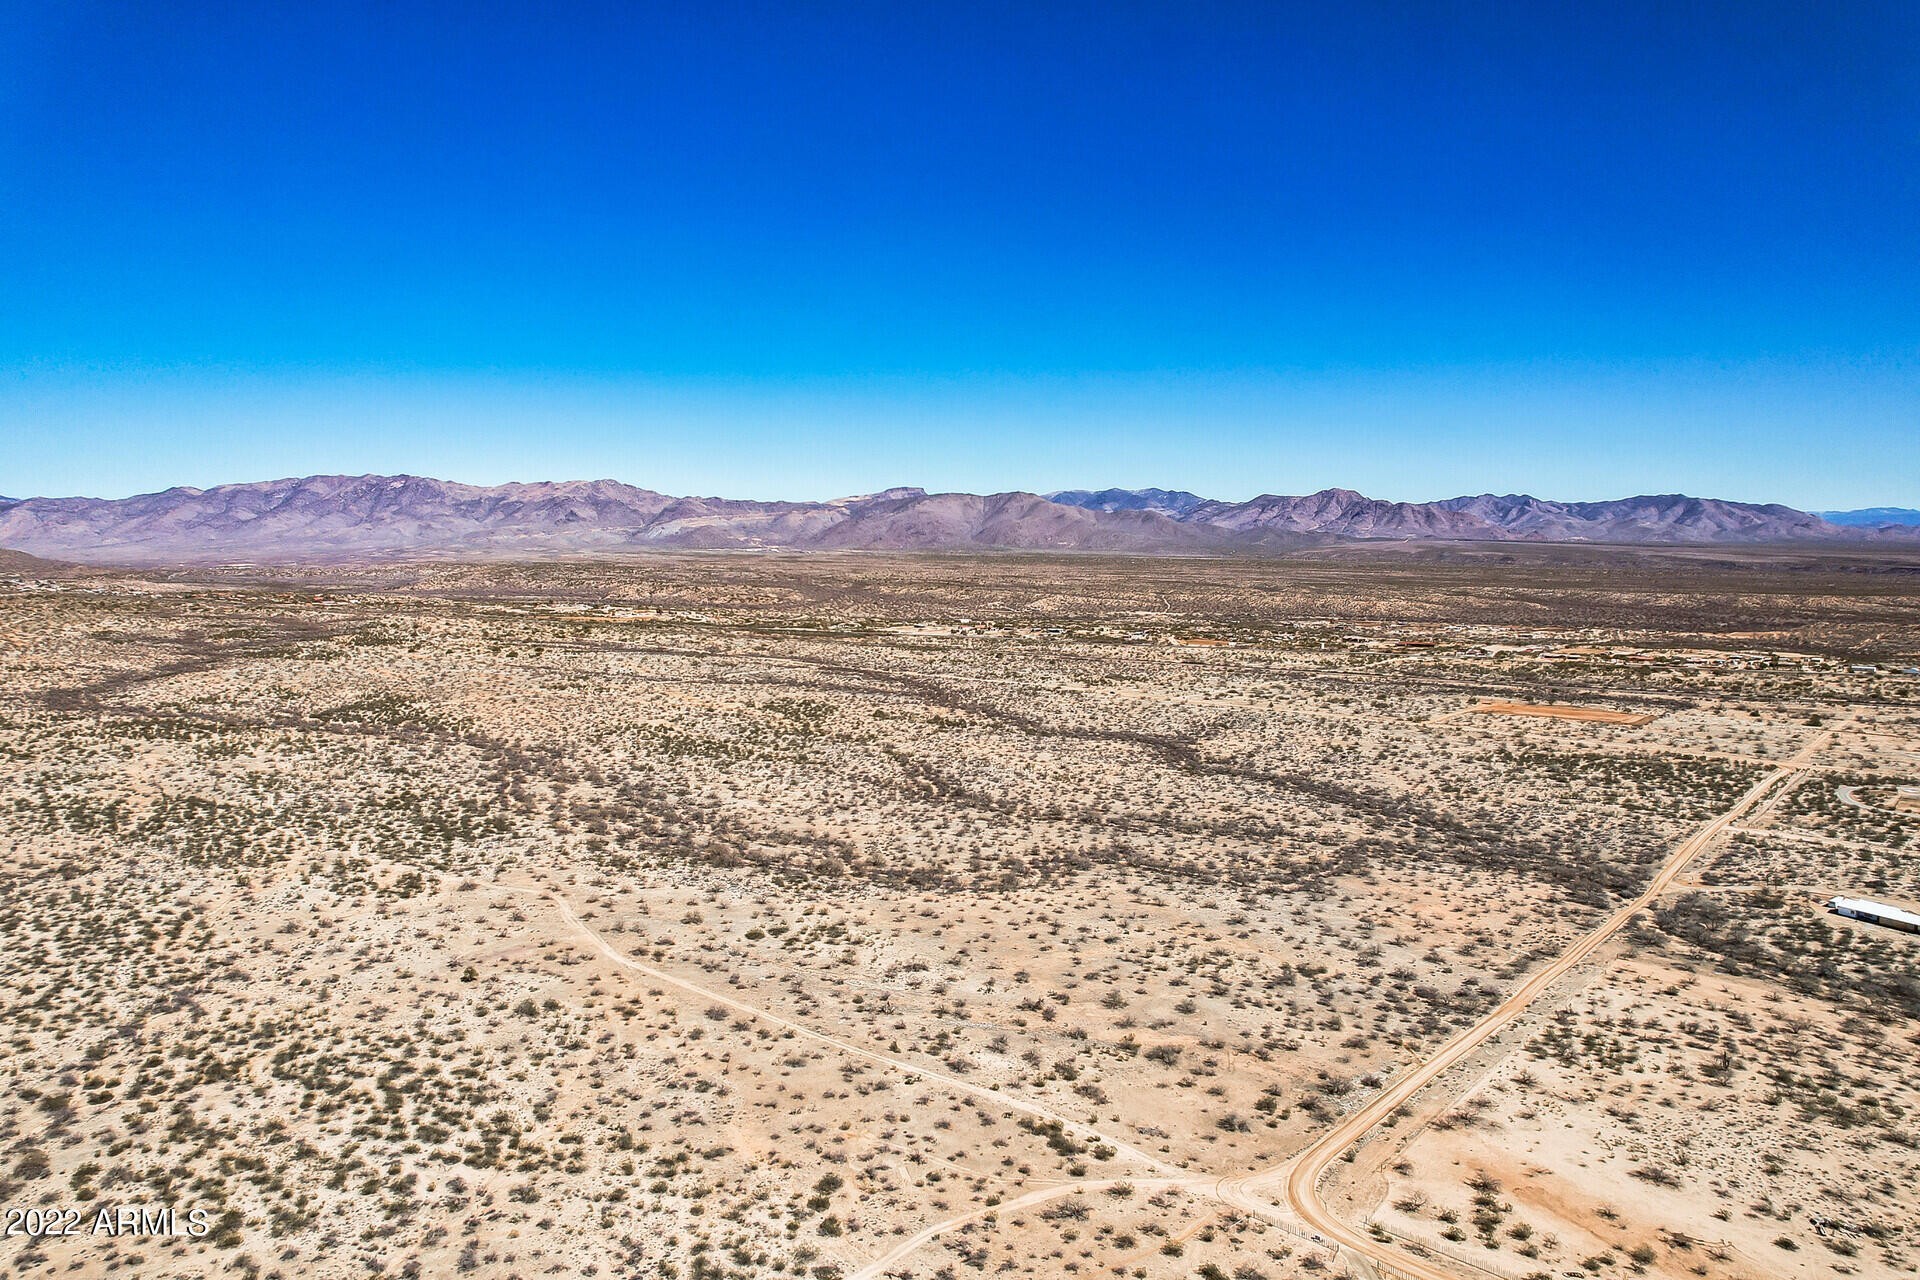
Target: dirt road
1039,1195
1303,1174
1011,1102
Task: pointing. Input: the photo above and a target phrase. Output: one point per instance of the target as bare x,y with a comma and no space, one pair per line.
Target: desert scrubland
842,915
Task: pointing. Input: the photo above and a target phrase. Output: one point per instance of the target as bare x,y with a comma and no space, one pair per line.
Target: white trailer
1877,913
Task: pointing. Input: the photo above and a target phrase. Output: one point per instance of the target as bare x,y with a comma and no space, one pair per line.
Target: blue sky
800,251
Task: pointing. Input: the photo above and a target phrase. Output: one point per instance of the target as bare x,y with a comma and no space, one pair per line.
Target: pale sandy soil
772,917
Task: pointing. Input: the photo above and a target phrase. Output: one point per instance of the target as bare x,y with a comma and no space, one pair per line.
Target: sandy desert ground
859,916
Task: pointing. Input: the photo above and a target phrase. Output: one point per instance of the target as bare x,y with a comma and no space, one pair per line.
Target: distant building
1863,668
1877,913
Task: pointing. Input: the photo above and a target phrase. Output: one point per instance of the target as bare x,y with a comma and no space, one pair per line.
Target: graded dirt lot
858,916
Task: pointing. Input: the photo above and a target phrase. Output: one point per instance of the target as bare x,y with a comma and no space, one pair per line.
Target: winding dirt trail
1300,1175
1039,1195
946,1080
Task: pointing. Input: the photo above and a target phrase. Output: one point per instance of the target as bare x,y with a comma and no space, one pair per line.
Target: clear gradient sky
787,251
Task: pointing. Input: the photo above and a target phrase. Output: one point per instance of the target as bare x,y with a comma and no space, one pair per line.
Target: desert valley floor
1402,914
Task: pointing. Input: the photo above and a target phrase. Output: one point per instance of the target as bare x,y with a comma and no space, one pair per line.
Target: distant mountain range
339,517
1872,517
1168,502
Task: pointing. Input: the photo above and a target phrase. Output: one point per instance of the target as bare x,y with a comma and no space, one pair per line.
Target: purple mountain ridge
348,517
